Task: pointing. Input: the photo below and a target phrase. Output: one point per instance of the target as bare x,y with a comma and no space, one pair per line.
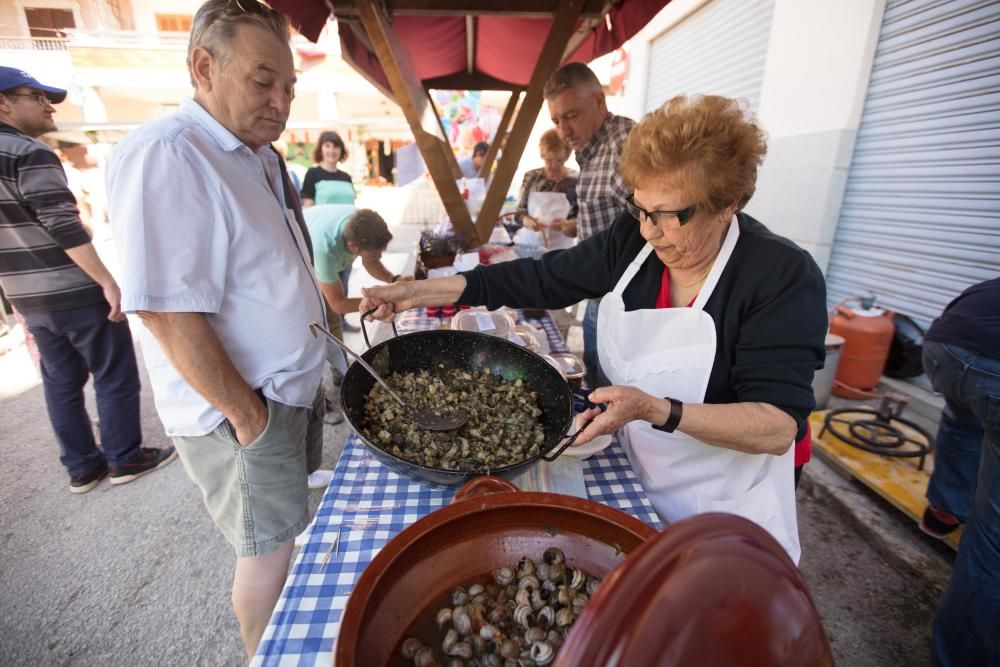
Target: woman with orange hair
711,326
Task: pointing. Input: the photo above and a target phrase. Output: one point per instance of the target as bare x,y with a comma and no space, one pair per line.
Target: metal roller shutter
719,50
920,220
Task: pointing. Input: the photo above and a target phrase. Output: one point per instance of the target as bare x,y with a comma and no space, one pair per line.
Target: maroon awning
500,52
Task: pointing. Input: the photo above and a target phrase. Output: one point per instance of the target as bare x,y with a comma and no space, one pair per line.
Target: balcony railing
33,43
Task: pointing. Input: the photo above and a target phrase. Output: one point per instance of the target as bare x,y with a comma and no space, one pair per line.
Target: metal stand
879,433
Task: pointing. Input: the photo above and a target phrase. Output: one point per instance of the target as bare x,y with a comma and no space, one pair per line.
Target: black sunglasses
663,219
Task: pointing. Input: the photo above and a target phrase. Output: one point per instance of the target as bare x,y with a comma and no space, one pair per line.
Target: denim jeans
595,376
966,483
73,344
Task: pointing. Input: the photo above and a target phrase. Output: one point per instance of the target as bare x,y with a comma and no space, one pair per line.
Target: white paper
545,207
409,164
442,272
485,322
467,261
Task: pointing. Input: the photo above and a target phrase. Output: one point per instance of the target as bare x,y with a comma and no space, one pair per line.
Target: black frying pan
468,351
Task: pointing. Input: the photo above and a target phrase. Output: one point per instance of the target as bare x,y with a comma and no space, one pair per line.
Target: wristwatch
676,409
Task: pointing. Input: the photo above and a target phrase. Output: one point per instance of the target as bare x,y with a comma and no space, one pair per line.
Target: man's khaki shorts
257,495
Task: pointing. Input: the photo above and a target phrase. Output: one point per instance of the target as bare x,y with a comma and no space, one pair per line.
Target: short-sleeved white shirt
201,225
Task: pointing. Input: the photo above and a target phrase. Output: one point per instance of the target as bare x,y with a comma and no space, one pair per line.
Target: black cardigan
769,306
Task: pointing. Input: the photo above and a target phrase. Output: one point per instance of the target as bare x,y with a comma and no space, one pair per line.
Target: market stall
407,48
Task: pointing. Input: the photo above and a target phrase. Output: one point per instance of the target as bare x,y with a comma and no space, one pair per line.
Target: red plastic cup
433,311
449,311
465,307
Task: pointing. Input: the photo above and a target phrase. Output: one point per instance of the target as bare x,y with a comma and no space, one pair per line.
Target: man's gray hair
215,23
572,75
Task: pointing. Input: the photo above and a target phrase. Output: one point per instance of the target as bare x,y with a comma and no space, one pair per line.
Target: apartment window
48,23
174,22
122,14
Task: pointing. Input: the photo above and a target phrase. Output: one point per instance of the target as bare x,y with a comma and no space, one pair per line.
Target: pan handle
364,329
570,440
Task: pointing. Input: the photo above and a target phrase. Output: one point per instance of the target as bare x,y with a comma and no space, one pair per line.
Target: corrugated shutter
920,219
719,50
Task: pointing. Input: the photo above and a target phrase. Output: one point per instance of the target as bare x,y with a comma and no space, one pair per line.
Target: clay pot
714,589
486,527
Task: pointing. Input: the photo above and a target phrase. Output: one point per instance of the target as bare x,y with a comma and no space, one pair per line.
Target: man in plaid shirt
580,113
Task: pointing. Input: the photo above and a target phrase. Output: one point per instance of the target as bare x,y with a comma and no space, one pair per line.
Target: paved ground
137,575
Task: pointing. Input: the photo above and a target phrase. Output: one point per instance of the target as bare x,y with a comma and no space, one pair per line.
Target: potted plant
437,250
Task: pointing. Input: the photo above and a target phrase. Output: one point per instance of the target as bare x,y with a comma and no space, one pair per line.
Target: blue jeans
74,344
595,376
966,623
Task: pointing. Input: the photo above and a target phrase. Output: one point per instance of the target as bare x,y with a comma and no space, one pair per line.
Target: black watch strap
676,410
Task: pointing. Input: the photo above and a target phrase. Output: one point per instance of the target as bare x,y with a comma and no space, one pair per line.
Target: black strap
676,410
293,202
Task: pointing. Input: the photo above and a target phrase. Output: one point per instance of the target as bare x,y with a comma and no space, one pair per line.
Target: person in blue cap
52,275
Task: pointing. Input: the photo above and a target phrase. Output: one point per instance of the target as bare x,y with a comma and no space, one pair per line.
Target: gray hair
215,24
572,75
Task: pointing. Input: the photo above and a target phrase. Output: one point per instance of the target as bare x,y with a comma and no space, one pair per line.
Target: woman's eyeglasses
661,219
38,97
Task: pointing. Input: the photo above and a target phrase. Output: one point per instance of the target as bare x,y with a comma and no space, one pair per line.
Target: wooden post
501,134
563,23
420,115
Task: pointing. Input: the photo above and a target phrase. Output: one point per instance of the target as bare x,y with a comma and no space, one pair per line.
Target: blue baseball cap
11,77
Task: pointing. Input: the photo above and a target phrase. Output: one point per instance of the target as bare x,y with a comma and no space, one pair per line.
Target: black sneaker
86,481
938,523
151,459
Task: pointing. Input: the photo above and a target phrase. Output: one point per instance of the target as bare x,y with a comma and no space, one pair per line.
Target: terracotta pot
464,542
715,589
437,261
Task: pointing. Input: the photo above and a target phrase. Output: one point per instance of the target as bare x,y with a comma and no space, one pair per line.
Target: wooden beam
586,28
516,8
470,44
550,58
465,81
501,135
420,115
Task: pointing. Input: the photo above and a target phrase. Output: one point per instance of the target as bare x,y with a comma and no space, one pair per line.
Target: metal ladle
430,419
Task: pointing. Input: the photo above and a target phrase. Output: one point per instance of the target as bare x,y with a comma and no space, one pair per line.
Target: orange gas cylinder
867,333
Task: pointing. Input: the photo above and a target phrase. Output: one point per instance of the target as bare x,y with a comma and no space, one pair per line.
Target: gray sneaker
151,459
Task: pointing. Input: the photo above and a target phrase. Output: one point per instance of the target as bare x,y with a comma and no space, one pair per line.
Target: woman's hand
406,294
387,300
567,227
625,404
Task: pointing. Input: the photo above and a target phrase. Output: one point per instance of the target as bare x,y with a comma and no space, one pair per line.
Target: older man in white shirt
216,262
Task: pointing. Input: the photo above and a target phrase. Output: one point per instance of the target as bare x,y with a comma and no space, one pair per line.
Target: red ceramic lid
715,589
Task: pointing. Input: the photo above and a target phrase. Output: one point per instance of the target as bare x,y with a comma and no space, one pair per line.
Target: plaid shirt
601,192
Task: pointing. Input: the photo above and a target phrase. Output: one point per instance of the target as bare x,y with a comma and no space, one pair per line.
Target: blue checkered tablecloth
365,506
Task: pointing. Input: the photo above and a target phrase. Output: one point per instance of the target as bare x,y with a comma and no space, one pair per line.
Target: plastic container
867,334
495,323
573,369
822,383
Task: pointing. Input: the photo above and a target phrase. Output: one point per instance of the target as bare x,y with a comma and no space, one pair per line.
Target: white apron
670,352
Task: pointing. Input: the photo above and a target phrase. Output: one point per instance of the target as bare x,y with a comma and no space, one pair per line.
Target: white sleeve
170,231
